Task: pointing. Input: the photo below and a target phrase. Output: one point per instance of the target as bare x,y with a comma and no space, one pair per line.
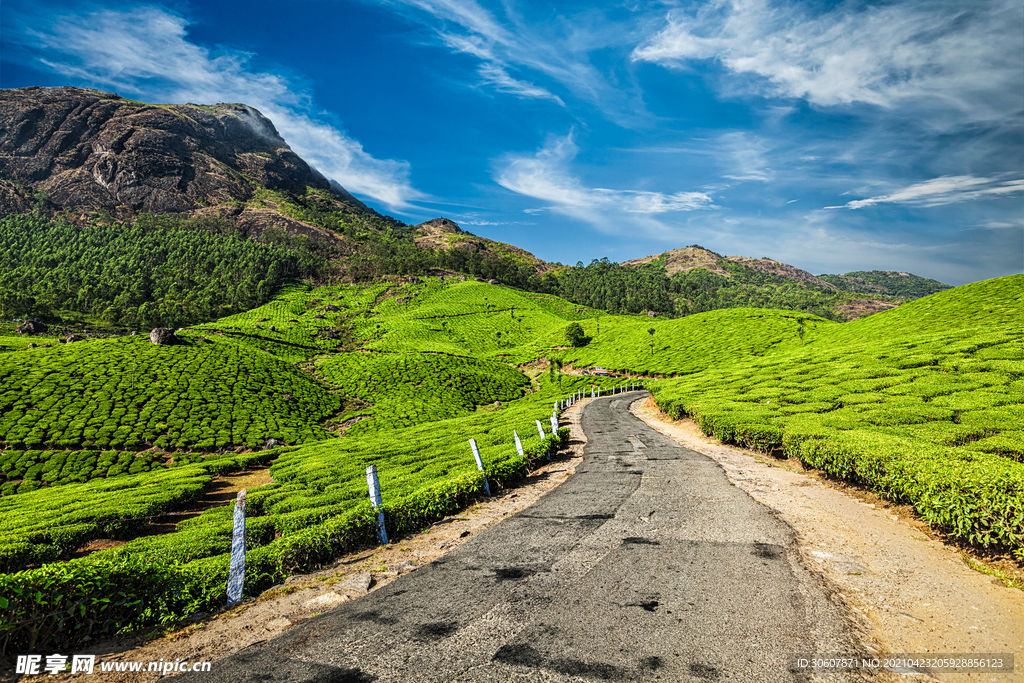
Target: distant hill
889,282
445,235
705,280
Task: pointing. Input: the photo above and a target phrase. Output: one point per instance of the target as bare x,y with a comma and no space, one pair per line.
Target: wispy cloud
746,153
146,51
941,191
498,77
556,51
546,176
960,56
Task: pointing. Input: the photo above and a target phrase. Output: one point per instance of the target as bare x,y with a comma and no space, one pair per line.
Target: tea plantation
924,403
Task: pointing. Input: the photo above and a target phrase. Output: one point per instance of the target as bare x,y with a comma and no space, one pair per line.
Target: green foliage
128,393
917,402
405,389
903,285
574,334
152,272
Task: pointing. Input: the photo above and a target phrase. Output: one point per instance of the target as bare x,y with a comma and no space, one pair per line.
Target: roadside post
540,429
480,466
373,483
554,424
236,573
519,444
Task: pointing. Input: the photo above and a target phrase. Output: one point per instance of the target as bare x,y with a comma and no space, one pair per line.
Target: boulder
73,338
359,583
279,624
271,443
162,335
31,326
326,601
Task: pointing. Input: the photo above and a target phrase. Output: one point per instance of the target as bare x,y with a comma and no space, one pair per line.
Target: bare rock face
163,335
31,326
92,150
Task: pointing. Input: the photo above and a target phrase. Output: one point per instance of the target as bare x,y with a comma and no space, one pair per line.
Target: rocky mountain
75,151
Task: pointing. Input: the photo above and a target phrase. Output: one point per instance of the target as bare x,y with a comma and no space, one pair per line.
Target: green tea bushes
470,319
690,344
127,393
41,525
411,388
926,410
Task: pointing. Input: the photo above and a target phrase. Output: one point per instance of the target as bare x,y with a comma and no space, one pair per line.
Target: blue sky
834,136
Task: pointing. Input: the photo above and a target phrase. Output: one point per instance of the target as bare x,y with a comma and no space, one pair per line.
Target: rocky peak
89,150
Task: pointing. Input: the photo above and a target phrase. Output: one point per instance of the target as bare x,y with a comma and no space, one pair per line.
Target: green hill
924,403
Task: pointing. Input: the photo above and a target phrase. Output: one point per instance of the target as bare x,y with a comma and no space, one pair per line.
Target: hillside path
647,564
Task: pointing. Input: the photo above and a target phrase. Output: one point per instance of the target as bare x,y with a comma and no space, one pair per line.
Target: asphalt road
645,565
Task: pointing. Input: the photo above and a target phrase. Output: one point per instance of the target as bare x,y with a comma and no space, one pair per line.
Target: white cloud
146,50
545,176
499,78
556,50
941,191
747,155
959,56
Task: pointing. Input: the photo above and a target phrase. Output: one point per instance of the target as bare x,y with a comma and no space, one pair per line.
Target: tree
574,334
555,370
650,331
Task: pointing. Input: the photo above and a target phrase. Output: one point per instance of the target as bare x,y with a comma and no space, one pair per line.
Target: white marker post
540,430
519,444
236,572
554,424
480,466
373,483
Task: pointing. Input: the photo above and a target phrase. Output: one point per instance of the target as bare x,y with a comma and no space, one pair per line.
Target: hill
446,235
888,282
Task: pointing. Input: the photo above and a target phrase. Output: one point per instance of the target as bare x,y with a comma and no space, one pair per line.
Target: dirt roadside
913,593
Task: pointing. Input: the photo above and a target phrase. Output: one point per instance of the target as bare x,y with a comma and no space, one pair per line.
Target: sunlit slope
470,318
986,304
128,393
690,344
925,403
301,321
405,389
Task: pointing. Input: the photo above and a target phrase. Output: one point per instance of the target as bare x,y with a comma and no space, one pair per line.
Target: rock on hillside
87,150
445,234
767,265
683,260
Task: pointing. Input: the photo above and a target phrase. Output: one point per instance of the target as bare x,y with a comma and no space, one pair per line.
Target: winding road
646,565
